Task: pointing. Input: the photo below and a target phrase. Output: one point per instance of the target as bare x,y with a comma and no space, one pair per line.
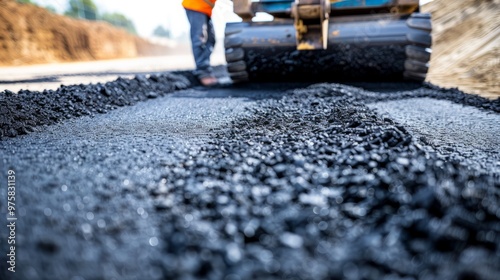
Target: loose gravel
86,187
311,184
338,63
317,186
470,137
22,112
375,92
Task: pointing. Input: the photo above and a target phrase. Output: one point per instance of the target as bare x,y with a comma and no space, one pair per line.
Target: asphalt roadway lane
251,182
73,180
454,131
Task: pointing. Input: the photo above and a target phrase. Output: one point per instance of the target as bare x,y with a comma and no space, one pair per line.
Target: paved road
72,182
455,131
51,76
258,181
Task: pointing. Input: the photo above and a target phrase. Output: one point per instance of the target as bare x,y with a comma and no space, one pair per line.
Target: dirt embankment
466,50
30,34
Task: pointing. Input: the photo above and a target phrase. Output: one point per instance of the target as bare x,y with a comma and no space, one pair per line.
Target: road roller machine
329,40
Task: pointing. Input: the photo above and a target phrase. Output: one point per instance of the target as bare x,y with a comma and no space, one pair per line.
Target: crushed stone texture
455,131
308,183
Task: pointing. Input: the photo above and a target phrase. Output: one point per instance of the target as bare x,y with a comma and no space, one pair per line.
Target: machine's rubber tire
232,42
417,48
234,54
421,15
416,66
415,76
420,23
237,66
418,51
239,76
422,39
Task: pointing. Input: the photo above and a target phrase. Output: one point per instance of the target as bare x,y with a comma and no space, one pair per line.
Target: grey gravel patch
86,187
376,92
312,185
27,111
172,117
339,63
455,132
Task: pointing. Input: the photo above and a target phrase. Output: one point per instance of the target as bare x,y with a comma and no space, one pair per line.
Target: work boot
209,81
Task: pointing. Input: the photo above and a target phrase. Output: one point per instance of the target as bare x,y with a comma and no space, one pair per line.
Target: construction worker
199,13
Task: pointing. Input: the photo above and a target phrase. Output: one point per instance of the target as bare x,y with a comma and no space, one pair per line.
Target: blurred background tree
85,9
51,9
161,31
119,20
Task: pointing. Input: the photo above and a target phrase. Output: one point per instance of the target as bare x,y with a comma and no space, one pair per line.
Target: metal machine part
311,23
330,41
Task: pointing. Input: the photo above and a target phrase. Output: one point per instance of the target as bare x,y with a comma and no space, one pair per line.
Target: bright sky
148,14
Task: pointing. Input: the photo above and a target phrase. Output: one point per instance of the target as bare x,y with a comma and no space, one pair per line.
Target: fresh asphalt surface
73,180
458,132
261,182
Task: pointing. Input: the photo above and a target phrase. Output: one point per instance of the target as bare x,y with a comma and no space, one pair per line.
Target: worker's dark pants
202,41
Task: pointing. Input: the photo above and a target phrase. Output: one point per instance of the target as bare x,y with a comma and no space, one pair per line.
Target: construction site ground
466,45
155,177
51,76
465,49
145,174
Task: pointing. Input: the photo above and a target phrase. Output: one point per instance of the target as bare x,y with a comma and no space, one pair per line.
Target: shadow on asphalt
387,87
31,81
269,90
251,91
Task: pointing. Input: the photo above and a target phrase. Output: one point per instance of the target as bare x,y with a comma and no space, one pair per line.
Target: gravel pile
428,90
318,186
312,185
315,186
21,113
455,132
338,63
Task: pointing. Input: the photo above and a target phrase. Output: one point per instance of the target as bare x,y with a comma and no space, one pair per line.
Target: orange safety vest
202,6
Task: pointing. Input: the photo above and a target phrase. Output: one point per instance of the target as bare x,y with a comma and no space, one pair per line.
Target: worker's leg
211,36
202,41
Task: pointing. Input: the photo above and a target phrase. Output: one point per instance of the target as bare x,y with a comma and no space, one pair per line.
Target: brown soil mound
30,34
466,50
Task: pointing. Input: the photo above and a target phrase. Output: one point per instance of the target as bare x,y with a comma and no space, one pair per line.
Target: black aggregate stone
23,112
314,185
339,63
428,90
317,186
